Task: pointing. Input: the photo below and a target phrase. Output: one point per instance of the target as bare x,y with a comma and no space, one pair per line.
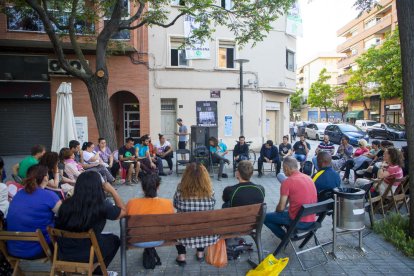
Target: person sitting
246,192
56,180
147,166
269,154
373,167
126,154
297,189
150,204
218,152
165,151
349,164
343,154
326,178
241,150
107,156
301,149
3,175
324,146
194,193
285,149
83,212
32,208
20,169
389,170
72,168
155,159
92,157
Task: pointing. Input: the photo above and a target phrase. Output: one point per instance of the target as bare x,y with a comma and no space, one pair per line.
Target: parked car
387,131
301,127
365,124
337,131
315,130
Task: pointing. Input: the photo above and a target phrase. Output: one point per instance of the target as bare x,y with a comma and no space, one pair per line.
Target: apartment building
307,74
206,90
369,30
30,77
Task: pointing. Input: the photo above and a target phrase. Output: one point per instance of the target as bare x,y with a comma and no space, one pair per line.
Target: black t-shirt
299,148
126,152
243,194
80,248
284,148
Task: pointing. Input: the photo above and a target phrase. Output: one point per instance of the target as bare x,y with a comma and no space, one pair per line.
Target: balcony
343,79
381,27
346,61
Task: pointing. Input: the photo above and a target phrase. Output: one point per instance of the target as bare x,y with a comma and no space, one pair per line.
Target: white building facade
176,84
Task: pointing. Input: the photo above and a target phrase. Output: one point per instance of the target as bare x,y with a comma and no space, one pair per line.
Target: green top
25,164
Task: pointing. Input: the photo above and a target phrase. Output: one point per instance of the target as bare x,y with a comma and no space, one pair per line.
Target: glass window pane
131,107
222,57
134,133
182,58
134,116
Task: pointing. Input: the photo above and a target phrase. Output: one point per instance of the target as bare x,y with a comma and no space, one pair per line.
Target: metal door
168,120
131,121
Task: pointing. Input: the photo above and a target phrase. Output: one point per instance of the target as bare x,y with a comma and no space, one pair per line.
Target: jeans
242,157
158,163
168,158
218,159
274,221
315,163
299,157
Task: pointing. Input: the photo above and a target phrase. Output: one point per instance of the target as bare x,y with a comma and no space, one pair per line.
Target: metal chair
181,159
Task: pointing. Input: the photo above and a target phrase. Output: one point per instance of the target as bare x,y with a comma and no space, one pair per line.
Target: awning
356,114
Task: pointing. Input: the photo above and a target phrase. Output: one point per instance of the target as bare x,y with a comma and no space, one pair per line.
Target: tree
321,94
249,20
355,89
339,104
295,102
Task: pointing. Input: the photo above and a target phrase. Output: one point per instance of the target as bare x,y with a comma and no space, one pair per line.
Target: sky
321,19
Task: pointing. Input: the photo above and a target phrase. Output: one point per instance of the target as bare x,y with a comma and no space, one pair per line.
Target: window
227,4
121,35
372,42
372,22
290,60
177,2
226,54
126,11
177,55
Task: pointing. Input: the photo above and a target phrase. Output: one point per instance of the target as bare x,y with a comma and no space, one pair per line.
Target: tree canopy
321,93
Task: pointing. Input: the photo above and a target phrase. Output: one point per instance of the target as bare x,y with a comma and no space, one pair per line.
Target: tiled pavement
380,258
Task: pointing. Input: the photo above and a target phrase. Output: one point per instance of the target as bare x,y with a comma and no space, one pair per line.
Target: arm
382,173
54,183
57,206
117,199
15,169
307,148
282,203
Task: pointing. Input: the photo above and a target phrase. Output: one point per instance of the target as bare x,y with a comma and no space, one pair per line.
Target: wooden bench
227,223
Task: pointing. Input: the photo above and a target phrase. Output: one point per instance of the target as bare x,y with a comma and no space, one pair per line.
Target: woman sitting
388,172
349,164
150,204
92,157
32,208
56,180
164,151
194,193
72,168
88,209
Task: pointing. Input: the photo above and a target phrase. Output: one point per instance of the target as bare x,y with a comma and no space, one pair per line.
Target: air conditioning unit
54,67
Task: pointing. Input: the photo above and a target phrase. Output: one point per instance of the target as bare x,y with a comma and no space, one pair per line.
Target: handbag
217,254
270,266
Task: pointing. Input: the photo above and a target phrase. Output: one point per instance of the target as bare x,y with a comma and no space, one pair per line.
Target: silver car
315,130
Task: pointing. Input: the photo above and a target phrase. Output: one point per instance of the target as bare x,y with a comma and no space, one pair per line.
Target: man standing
301,149
129,160
326,178
246,192
182,134
241,150
269,154
37,152
324,146
297,189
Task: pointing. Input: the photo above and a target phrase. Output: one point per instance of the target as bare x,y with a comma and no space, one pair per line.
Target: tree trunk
405,13
326,114
98,93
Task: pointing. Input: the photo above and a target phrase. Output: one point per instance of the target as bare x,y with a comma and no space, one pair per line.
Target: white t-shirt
160,148
87,156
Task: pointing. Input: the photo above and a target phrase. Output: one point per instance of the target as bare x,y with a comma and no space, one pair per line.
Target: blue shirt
142,150
27,213
222,148
329,179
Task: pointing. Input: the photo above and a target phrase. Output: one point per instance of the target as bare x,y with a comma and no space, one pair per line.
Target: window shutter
230,57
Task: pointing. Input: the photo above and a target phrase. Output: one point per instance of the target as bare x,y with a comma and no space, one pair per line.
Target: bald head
324,159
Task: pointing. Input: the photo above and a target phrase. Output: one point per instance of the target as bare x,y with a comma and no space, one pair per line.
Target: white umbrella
64,128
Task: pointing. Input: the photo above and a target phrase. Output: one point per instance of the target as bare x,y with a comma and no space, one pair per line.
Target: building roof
323,55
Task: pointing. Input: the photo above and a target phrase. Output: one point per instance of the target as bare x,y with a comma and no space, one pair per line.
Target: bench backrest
224,222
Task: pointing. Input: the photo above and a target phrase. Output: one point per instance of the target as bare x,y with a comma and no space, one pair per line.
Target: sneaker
135,180
170,172
112,273
129,183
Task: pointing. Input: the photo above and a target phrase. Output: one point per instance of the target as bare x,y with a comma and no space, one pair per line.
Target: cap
179,120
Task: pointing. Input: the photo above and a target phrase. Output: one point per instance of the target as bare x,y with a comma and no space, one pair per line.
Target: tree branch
146,21
136,16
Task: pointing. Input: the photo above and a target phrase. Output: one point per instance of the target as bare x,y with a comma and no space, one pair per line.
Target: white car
315,130
365,125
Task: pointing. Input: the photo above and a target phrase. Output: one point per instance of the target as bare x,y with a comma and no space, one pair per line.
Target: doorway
168,120
272,128
131,121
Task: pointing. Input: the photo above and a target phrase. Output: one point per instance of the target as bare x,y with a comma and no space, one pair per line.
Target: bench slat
192,217
241,229
138,231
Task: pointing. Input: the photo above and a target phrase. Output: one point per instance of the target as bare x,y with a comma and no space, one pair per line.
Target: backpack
150,258
307,168
236,246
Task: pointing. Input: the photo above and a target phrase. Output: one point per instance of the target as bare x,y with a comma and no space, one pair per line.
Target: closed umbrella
64,128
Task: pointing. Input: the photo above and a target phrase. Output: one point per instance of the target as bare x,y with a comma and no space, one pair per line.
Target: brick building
28,85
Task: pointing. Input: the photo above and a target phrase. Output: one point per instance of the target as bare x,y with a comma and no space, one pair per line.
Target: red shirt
395,173
300,190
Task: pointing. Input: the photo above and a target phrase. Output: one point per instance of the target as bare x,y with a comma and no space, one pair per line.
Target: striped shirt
328,147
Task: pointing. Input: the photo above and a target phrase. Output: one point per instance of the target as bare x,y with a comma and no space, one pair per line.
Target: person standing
182,134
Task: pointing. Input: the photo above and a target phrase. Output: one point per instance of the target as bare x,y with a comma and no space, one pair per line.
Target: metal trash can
350,208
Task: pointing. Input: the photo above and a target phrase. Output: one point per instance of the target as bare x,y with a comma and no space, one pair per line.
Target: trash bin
350,208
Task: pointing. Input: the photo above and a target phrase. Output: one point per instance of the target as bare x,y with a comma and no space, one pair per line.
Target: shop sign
393,106
272,106
25,90
215,94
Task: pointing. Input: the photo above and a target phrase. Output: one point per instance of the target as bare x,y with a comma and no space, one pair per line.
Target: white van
365,124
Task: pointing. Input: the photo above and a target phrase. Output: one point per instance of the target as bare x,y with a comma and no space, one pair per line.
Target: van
365,124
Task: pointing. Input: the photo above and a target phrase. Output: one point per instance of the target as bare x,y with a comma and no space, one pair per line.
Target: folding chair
28,237
373,200
399,196
76,267
179,161
294,234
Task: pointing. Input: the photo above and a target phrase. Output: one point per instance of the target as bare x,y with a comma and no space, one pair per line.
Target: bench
227,223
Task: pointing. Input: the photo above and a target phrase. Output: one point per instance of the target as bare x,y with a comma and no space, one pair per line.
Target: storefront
354,115
393,113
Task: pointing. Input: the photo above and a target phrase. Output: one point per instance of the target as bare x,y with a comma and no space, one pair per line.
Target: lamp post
241,61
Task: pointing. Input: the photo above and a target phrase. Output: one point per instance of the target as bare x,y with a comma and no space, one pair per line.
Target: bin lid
349,193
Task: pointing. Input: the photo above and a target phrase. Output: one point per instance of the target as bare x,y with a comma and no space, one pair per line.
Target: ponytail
35,176
86,145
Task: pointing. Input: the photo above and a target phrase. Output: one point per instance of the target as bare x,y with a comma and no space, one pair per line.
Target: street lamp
241,61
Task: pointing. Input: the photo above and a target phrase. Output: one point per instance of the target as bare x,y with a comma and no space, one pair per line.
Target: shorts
126,165
182,144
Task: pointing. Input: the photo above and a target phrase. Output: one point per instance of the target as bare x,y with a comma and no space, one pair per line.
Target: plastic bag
217,254
270,266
